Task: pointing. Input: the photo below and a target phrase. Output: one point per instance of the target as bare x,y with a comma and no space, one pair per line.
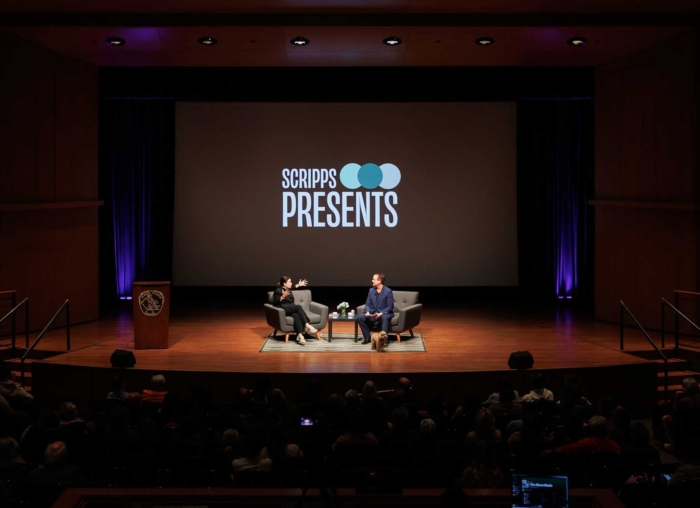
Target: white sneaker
301,339
311,329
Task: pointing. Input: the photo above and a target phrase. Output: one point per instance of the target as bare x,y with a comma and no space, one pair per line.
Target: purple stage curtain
555,182
139,154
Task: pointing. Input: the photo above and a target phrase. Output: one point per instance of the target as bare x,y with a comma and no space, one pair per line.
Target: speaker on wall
122,358
521,360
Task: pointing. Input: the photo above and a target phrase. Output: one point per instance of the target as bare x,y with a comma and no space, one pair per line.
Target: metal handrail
651,341
12,313
66,305
677,314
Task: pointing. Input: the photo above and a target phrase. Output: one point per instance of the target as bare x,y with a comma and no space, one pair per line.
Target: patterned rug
342,343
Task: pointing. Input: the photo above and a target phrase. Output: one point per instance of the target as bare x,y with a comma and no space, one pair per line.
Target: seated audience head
639,434
230,437
505,390
56,454
606,406
537,381
68,412
352,399
369,391
134,400
9,450
690,386
428,427
277,399
572,386
5,373
399,417
405,384
598,426
158,383
485,424
118,383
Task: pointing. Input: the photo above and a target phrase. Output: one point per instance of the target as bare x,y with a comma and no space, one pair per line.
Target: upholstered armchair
317,313
407,312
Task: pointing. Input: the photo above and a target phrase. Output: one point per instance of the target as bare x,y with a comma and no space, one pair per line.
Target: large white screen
450,220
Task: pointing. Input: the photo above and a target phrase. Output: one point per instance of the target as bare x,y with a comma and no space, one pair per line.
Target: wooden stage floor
463,339
467,350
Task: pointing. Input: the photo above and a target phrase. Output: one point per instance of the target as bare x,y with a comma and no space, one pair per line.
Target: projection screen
332,193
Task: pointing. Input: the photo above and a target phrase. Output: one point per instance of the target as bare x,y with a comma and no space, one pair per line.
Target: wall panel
48,119
646,251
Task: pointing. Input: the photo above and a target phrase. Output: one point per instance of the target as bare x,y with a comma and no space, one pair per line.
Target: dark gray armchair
317,313
407,312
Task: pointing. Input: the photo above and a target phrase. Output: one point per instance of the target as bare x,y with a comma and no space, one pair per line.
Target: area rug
342,343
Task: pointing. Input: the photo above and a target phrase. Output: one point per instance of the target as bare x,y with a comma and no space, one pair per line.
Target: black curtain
555,182
137,163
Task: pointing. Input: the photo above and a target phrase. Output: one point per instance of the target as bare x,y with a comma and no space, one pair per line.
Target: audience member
485,429
504,384
55,469
118,385
483,472
685,405
538,392
10,390
157,392
691,470
598,442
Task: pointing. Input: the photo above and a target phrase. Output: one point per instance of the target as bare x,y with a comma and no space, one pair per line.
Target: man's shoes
311,329
668,447
367,341
301,340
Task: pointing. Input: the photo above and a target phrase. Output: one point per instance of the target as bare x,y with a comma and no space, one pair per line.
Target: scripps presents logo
369,202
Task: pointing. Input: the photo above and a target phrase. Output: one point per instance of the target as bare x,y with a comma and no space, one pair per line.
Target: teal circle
348,175
370,176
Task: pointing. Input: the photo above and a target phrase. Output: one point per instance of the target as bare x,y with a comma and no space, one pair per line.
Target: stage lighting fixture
392,41
577,41
115,41
484,41
300,41
207,41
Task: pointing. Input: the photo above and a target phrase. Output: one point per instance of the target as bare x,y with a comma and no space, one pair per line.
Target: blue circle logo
370,176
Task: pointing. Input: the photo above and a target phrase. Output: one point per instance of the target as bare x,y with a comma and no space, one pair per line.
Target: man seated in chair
379,307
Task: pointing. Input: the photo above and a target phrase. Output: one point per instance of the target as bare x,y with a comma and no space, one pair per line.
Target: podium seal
151,302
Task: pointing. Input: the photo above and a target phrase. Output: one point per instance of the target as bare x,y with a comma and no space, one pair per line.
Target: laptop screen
540,491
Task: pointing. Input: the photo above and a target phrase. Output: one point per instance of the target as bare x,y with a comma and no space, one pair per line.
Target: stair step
671,389
678,375
673,364
651,354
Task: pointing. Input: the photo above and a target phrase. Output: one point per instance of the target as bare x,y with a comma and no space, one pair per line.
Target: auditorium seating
179,444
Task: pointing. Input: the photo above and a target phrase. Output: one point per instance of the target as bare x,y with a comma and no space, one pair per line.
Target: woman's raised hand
302,283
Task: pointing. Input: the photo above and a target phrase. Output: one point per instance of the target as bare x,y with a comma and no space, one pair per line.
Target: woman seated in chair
284,298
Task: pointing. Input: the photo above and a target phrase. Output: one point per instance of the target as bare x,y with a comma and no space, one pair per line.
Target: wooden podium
151,314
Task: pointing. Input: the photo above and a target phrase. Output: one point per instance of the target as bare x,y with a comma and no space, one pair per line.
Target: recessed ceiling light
115,41
392,41
484,41
577,41
300,41
207,41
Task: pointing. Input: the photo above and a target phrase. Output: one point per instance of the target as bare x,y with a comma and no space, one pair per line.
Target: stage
468,346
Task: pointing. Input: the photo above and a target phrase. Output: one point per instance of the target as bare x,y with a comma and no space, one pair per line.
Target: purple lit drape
555,179
140,158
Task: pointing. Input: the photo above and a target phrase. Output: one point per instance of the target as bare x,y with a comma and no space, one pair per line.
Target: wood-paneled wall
48,142
646,236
